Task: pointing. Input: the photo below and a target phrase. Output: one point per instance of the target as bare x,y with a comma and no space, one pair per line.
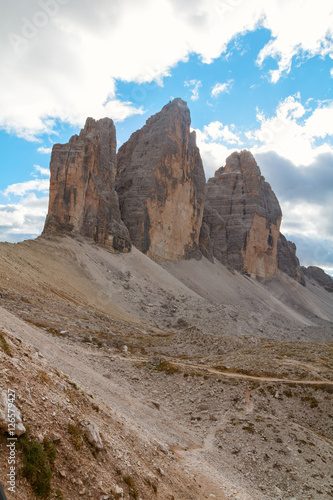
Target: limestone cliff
83,199
243,217
287,259
317,274
161,185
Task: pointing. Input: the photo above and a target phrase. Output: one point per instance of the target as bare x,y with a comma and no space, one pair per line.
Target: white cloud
298,29
21,188
66,68
43,171
194,86
213,152
220,88
293,130
302,218
44,150
216,131
24,219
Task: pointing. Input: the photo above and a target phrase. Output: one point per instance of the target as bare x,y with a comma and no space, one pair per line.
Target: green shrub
130,483
4,345
168,367
37,460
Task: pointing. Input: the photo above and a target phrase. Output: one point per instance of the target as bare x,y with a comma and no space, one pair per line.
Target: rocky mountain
163,377
153,194
317,274
287,259
83,199
161,185
242,218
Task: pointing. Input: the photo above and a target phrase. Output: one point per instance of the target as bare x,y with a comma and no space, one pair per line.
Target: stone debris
10,415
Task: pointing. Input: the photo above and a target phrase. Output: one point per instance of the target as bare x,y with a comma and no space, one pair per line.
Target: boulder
92,434
83,199
243,218
7,415
161,185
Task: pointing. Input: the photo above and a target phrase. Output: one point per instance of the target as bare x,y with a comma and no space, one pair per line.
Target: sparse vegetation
312,400
168,367
249,427
76,435
130,483
37,460
4,345
43,377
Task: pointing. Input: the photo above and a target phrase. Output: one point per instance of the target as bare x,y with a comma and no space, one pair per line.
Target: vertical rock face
287,259
161,185
83,199
243,216
316,273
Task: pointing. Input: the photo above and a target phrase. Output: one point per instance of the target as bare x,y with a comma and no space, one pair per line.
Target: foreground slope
227,381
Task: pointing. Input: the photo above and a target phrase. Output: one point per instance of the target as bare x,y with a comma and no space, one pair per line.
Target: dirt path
140,418
206,369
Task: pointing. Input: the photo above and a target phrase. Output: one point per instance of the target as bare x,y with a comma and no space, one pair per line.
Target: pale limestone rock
6,416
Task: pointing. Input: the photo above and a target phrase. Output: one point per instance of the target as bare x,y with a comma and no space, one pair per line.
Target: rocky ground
202,383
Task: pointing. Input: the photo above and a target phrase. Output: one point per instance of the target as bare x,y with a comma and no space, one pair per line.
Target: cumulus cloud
21,188
24,219
44,150
298,29
41,170
194,86
213,152
26,207
293,131
61,59
221,88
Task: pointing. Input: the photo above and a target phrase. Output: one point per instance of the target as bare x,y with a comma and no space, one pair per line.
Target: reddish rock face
287,259
83,199
243,216
161,185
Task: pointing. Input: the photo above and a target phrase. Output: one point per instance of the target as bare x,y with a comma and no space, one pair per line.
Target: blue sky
256,75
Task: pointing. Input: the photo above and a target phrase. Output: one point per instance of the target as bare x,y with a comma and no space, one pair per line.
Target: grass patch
37,461
312,400
168,367
4,345
132,488
76,434
249,427
43,376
